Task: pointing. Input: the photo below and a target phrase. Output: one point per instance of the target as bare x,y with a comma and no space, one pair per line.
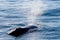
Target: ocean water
14,13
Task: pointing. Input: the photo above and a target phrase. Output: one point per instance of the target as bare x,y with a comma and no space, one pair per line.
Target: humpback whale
20,31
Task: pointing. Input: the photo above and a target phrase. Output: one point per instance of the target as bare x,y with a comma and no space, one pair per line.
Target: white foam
11,31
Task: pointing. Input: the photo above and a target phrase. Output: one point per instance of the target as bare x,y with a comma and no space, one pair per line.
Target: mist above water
36,8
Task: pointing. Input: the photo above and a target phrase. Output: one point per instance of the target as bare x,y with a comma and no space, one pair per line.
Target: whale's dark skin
21,31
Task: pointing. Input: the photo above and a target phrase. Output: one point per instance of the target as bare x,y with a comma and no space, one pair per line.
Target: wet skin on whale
20,31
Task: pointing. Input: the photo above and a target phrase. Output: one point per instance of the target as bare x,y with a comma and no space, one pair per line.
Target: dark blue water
13,13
